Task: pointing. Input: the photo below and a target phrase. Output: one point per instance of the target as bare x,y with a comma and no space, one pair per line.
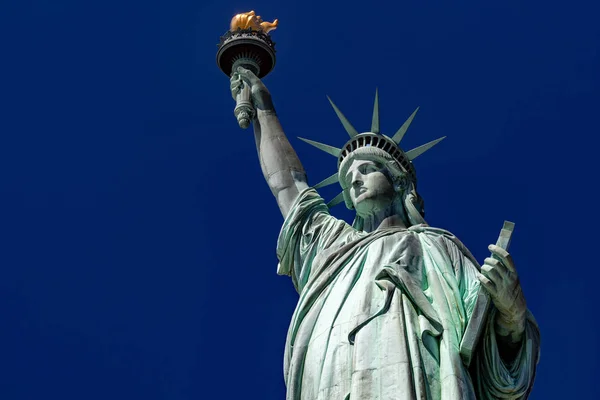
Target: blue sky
137,252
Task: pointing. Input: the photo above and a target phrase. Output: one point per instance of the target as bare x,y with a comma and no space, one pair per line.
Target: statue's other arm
279,162
505,361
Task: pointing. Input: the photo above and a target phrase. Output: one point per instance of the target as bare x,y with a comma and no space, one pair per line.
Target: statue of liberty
384,303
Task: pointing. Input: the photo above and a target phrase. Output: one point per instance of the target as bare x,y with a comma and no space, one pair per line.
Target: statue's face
369,187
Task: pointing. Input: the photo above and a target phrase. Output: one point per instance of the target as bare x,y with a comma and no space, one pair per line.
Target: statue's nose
357,179
357,182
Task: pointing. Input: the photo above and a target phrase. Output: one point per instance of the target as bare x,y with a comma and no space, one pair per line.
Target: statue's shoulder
432,231
444,237
439,234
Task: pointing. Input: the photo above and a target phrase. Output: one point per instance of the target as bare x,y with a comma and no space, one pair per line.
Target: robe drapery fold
381,315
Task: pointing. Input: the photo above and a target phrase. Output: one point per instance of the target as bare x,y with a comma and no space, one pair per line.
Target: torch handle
244,110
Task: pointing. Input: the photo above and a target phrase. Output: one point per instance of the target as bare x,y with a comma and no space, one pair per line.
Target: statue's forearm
280,164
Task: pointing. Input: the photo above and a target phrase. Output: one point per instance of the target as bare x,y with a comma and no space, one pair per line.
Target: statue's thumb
246,73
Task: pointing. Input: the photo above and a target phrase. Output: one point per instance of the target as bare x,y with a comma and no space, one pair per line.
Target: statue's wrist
511,312
264,104
265,114
510,326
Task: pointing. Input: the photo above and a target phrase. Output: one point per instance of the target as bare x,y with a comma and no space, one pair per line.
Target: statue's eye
369,168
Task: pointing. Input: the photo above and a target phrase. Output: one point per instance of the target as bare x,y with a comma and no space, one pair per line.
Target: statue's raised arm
280,164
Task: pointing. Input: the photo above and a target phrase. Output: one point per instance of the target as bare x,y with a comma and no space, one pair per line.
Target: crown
372,139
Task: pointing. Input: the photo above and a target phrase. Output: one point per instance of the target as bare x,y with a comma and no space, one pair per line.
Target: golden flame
251,20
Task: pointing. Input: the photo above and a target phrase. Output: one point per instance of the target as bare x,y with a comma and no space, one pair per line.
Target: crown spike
326,182
375,120
400,134
414,153
347,125
334,151
336,200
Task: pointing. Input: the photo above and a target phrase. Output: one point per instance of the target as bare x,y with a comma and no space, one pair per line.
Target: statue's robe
381,315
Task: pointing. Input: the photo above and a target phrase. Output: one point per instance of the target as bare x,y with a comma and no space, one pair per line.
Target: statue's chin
369,203
365,205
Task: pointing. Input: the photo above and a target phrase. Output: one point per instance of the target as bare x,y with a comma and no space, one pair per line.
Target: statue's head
373,181
368,186
375,173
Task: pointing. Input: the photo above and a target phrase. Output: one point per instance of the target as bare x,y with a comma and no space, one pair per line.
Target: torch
247,44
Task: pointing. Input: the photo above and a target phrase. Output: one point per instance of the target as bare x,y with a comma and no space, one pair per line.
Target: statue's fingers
235,78
492,274
504,256
487,284
235,91
236,86
247,75
498,266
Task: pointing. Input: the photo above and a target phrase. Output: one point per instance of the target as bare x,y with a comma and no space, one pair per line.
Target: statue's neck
387,218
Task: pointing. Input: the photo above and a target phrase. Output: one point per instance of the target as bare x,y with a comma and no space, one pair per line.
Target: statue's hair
412,203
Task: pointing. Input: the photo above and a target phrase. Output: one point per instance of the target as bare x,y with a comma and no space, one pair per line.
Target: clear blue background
137,235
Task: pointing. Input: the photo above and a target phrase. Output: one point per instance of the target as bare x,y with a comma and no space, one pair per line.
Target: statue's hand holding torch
249,93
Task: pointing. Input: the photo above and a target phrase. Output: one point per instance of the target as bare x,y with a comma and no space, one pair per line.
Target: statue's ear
399,177
403,183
